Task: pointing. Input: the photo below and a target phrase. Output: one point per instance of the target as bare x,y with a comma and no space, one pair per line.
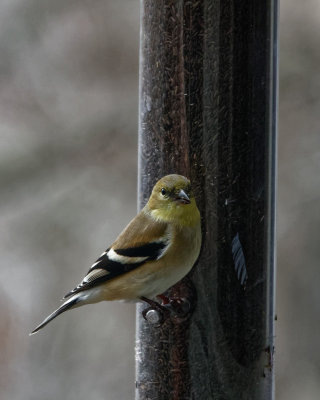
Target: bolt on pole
208,110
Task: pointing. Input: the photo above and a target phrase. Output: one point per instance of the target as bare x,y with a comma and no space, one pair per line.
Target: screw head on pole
153,316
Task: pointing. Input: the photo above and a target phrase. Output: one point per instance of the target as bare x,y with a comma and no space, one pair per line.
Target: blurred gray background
68,171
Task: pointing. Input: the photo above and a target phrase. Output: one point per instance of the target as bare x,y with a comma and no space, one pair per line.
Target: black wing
115,262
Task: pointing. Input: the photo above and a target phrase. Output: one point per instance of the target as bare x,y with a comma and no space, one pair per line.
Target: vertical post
208,98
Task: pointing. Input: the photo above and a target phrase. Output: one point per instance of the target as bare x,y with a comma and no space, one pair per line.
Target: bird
154,251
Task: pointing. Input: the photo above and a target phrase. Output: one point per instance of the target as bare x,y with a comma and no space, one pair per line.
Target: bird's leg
179,307
164,299
152,303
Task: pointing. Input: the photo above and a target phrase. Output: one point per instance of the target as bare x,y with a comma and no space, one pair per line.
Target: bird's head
172,200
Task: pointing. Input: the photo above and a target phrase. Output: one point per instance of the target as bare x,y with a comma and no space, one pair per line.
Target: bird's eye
163,191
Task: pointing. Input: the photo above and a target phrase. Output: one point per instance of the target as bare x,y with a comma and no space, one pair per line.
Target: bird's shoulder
142,229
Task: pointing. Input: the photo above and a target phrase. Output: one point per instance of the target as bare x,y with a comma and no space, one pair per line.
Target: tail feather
64,307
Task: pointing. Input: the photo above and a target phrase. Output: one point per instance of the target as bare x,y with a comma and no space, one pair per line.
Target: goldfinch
157,249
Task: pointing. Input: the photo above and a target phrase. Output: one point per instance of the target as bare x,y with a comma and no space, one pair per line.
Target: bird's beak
182,197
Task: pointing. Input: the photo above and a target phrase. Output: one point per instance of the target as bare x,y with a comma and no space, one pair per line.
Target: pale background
68,171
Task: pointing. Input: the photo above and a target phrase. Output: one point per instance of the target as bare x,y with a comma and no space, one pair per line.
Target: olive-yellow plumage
157,249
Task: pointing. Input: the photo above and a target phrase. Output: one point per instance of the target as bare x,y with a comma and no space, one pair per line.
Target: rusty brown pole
208,101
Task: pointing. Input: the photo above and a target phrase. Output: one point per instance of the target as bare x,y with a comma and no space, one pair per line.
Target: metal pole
208,100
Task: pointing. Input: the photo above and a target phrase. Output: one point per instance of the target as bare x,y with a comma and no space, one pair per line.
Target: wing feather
148,241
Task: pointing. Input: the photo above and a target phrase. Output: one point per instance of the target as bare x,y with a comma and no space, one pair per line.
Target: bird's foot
157,314
178,307
164,299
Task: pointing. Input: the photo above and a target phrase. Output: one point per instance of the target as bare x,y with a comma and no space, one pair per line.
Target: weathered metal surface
208,111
